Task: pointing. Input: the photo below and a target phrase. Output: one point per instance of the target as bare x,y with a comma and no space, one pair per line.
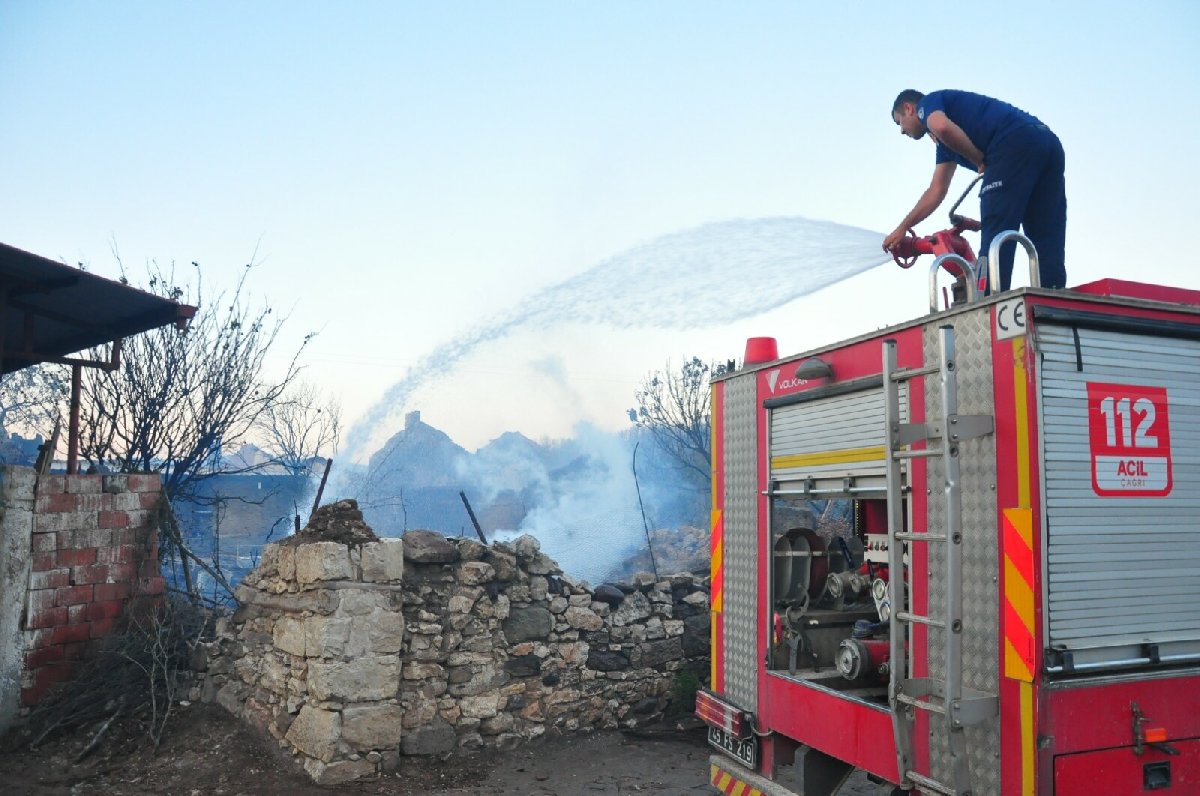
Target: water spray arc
702,277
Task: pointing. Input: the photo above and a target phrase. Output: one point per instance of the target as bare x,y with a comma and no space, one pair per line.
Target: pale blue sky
405,170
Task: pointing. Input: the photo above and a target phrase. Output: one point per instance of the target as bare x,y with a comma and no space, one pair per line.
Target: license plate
745,751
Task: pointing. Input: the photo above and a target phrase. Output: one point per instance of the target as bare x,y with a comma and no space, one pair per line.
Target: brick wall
93,550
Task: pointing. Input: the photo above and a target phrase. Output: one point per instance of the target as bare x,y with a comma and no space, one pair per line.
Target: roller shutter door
1122,556
830,439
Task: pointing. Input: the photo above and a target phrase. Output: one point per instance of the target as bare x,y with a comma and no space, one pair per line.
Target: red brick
51,484
44,542
76,614
32,695
56,503
102,627
113,519
36,639
100,502
68,633
149,568
85,484
152,586
44,562
99,537
72,521
149,500
50,580
109,609
91,574
40,599
120,572
111,591
49,617
119,554
56,672
81,557
145,482
38,658
74,595
75,650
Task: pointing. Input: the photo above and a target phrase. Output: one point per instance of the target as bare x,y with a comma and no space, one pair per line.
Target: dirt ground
206,752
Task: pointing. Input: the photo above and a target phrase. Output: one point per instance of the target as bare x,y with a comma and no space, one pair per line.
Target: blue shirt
986,121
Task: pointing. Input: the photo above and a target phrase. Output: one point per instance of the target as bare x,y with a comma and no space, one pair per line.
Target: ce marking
1010,319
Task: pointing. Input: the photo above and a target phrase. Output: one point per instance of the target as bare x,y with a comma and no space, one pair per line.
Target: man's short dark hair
907,95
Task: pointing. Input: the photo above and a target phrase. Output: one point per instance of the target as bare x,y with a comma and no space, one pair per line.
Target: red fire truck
963,553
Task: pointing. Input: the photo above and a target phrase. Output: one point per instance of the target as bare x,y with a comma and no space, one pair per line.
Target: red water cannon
948,241
961,260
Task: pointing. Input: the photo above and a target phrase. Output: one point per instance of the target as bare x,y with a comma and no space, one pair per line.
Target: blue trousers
1024,188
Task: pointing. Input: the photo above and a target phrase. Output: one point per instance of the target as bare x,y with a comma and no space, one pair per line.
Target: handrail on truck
965,272
993,259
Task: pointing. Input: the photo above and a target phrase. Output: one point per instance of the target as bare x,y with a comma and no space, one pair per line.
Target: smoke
702,277
580,497
588,515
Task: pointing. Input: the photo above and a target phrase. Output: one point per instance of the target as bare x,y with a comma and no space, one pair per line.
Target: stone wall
356,656
75,551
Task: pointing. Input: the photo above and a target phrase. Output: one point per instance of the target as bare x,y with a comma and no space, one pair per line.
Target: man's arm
952,135
943,173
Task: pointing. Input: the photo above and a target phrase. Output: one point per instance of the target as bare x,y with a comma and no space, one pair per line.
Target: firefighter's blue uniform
1023,183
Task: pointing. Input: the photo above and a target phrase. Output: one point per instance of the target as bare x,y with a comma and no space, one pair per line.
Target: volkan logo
921,114
772,377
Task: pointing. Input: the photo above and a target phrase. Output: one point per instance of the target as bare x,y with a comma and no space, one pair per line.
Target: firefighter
1021,161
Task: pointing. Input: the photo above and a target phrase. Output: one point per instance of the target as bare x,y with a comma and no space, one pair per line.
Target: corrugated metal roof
49,310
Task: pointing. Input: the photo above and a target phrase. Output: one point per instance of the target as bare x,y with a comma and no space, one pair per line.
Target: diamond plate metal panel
980,571
741,541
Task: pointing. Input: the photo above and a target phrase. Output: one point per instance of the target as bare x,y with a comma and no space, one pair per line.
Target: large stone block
337,773
316,732
359,680
326,636
635,608
232,696
429,547
528,624
382,633
377,633
505,564
383,561
372,727
435,738
319,561
475,573
606,661
583,619
363,602
268,563
523,666
656,653
423,671
288,635
483,706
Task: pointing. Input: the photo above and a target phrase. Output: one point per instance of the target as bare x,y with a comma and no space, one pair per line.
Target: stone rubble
356,655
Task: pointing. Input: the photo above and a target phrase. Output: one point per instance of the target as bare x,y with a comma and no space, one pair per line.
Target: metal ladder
948,699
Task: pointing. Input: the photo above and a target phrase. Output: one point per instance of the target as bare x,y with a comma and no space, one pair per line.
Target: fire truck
963,553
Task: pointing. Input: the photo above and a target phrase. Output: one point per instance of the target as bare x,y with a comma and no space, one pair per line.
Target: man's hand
893,239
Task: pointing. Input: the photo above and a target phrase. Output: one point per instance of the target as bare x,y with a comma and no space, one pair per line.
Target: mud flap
820,774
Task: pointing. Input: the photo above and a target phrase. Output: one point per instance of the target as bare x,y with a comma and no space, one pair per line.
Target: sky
402,172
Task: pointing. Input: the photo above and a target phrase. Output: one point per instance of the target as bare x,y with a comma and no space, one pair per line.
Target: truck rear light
1155,734
720,714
